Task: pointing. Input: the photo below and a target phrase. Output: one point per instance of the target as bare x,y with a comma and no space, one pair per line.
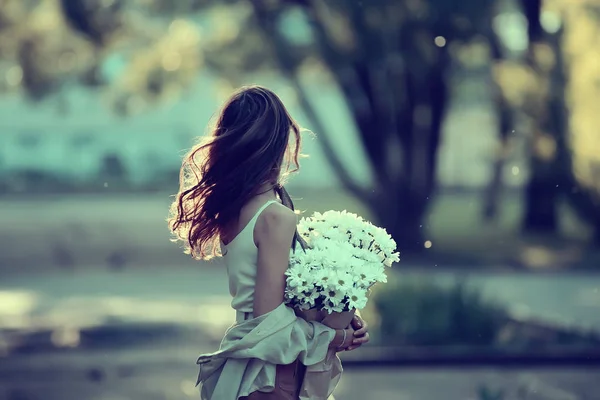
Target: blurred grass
122,229
461,239
422,313
462,316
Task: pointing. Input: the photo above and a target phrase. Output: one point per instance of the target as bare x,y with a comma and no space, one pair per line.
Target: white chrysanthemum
290,294
323,277
334,295
342,218
347,255
296,275
392,258
370,258
331,308
380,276
357,298
343,281
368,277
346,261
307,285
383,242
304,258
311,296
334,235
341,252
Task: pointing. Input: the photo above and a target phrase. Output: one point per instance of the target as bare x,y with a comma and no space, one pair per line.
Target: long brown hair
247,149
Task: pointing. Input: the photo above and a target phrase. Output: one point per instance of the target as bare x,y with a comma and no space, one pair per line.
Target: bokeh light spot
14,76
188,388
67,61
66,337
171,61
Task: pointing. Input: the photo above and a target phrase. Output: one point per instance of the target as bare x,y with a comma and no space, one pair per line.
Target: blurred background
468,129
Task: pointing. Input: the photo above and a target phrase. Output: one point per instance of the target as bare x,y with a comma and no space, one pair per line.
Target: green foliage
423,313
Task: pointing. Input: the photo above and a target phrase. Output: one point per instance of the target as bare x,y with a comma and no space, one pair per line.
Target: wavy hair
247,149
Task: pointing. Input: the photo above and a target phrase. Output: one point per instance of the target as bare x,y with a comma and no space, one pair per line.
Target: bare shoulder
276,223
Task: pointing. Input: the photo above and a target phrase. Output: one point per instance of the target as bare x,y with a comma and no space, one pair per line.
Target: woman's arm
274,232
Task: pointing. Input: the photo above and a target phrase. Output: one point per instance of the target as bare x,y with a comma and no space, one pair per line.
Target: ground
169,381
136,334
112,310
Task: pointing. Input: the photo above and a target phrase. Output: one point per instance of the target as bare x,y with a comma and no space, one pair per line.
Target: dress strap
262,208
252,222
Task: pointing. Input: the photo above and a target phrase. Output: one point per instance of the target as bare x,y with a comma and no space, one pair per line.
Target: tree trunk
390,105
403,203
546,170
541,194
491,196
402,221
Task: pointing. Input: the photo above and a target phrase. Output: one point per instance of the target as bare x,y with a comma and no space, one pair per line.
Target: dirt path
139,379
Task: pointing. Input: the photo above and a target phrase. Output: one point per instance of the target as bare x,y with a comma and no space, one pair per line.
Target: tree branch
506,123
353,75
266,21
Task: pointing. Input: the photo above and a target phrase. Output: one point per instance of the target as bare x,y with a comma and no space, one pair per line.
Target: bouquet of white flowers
346,256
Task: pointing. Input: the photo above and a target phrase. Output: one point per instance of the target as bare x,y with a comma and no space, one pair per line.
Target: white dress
252,348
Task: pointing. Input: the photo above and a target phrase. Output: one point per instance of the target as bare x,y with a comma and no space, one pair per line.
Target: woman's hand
361,332
343,339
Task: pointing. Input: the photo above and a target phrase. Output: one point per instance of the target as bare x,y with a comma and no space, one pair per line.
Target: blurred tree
414,312
562,55
552,86
579,45
383,57
97,21
389,59
548,147
112,168
506,124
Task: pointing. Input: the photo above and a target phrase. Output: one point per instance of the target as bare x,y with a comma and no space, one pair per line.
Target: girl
231,204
